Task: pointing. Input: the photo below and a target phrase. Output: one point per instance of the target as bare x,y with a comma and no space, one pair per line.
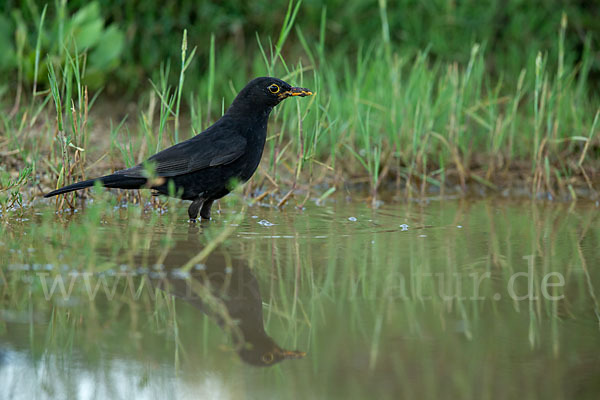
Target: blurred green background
127,41
411,93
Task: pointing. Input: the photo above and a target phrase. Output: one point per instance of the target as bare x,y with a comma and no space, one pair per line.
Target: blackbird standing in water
203,168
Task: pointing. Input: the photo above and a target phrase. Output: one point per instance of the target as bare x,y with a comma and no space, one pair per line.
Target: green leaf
88,35
108,51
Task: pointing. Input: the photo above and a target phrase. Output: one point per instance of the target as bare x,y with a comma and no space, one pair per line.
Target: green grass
412,103
381,118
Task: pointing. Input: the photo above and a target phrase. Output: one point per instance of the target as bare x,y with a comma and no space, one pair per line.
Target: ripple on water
322,222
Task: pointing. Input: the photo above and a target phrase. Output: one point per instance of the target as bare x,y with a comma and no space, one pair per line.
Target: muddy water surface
453,299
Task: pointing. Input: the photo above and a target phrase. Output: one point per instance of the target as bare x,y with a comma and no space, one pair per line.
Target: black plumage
203,168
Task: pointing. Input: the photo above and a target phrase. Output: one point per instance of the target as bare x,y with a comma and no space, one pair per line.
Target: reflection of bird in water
226,290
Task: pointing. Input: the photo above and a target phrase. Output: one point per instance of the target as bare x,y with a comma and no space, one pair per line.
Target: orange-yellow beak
296,91
292,354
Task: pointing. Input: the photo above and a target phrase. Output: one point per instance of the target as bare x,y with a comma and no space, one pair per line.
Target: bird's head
267,92
265,353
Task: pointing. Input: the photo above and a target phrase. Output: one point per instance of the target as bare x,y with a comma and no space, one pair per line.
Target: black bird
203,168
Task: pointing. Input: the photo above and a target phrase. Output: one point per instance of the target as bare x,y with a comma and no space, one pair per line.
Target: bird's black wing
210,148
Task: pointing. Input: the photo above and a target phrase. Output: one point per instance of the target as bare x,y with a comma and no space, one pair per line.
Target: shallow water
453,299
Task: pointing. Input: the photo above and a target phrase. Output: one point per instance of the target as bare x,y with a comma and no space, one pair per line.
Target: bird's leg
194,208
205,210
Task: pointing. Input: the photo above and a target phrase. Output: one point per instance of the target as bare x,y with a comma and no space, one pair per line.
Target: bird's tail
111,181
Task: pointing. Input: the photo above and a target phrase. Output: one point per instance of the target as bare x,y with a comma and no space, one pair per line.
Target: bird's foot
194,209
205,210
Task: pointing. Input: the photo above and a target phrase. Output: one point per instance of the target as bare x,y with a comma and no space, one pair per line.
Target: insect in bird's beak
292,354
296,91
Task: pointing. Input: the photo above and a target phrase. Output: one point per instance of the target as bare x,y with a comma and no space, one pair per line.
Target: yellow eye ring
273,88
267,358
